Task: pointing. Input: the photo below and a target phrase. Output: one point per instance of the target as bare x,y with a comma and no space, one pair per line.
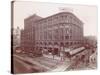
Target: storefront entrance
56,50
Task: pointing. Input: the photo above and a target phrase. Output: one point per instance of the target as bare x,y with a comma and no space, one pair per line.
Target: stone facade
53,33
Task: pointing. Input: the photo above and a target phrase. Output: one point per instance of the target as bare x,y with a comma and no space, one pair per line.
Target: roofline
32,16
58,14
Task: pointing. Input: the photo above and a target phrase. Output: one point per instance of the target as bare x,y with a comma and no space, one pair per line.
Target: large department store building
54,33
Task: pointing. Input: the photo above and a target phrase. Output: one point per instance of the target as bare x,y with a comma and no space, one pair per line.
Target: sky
87,14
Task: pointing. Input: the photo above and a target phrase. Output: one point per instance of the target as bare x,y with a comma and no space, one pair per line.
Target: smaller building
16,38
91,41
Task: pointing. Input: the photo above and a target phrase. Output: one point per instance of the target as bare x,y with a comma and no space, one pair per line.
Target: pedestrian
62,55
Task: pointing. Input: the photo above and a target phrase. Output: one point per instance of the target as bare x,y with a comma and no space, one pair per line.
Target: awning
67,49
76,50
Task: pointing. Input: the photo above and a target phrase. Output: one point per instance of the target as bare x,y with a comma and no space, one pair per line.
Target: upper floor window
66,37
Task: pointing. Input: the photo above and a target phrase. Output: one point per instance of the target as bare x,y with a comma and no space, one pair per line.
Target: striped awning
76,50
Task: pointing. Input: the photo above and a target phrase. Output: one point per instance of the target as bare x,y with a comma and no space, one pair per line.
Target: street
21,66
46,63
39,64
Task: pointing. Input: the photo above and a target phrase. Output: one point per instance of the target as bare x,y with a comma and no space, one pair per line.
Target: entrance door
55,51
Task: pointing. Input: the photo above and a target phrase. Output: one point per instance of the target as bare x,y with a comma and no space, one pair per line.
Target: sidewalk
51,57
62,66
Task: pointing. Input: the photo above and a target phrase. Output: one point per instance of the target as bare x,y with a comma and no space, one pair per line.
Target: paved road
22,67
39,64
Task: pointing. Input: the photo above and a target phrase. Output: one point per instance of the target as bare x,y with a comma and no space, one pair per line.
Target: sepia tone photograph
53,37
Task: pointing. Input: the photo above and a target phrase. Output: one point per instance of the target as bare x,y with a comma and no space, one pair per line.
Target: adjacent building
16,37
28,34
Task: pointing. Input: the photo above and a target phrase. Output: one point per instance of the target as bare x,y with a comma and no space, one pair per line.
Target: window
56,17
50,35
66,37
45,35
61,34
56,34
41,35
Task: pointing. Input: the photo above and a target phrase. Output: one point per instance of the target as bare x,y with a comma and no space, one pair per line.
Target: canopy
76,50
